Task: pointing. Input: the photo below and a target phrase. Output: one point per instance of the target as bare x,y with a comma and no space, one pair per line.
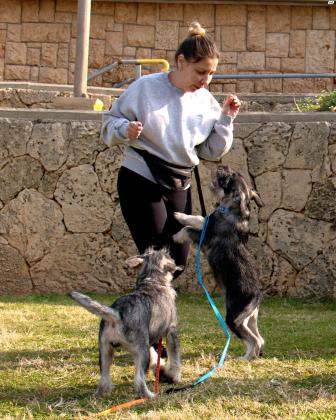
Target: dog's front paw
181,236
104,389
180,217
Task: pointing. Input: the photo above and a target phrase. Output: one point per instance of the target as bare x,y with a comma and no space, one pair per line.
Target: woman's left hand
231,106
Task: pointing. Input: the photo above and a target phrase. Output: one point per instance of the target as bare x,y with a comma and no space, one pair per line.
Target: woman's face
194,76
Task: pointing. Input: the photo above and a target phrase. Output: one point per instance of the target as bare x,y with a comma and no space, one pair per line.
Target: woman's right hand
134,130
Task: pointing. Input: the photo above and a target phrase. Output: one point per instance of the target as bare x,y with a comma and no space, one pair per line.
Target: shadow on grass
275,391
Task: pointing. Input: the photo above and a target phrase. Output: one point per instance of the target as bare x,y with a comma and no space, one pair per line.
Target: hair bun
195,29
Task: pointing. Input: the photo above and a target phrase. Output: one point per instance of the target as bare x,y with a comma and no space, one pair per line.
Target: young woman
175,119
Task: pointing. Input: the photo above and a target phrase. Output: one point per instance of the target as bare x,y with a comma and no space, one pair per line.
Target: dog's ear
255,196
134,261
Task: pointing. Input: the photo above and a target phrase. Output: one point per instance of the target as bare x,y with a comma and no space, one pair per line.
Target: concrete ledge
249,117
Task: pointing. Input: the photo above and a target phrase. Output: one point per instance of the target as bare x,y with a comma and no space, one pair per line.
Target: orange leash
133,402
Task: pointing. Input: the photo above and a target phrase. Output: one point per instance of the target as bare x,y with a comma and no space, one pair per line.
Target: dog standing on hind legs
225,247
137,320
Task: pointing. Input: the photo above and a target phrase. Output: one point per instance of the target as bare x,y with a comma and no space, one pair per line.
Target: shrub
326,101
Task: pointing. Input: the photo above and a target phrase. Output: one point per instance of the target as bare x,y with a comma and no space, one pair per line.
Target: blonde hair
197,45
195,29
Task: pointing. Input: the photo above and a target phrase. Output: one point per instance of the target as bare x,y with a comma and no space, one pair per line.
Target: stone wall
61,226
38,40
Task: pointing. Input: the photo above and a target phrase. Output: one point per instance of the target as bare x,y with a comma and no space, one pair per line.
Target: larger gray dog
225,247
137,321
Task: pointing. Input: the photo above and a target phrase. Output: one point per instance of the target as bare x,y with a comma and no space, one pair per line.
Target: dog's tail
103,311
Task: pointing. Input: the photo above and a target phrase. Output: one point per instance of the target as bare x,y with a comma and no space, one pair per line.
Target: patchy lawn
49,363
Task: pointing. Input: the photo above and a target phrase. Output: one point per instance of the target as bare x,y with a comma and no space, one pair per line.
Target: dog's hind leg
105,360
240,327
250,339
171,373
141,362
253,326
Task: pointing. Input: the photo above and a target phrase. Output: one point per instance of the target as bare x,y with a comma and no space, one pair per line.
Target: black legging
148,211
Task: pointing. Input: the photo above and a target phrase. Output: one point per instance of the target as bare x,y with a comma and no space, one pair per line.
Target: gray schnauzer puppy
225,245
137,320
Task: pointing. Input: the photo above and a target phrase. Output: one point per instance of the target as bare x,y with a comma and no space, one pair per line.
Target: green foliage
49,363
326,101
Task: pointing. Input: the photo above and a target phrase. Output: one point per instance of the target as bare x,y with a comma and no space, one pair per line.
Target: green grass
49,363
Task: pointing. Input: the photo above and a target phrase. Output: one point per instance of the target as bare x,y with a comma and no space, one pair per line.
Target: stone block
277,45
269,188
321,18
63,56
19,173
125,12
233,38
49,144
168,11
319,277
144,53
166,35
98,26
62,17
85,143
297,43
251,61
245,86
14,277
322,200
147,14
256,30
273,64
103,8
66,6
49,55
85,262
13,33
278,18
47,32
293,65
320,51
302,17
139,36
204,13
16,53
114,43
15,72
297,184
233,15
299,245
85,206
47,11
96,53
32,224
332,18
30,11
53,75
129,52
228,57
267,147
309,146
2,68
10,11
33,56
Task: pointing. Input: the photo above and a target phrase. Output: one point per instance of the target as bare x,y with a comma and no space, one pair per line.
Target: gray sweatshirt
178,126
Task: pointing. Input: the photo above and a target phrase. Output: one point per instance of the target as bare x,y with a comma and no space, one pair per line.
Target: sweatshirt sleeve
116,120
219,141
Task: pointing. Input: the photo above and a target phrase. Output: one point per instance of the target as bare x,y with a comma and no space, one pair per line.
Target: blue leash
214,307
